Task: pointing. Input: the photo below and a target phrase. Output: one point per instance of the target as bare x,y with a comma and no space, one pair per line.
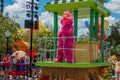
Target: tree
36,35
43,31
116,50
8,24
114,38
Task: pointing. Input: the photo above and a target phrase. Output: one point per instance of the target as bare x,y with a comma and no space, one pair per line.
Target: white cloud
113,5
111,20
48,19
17,11
82,28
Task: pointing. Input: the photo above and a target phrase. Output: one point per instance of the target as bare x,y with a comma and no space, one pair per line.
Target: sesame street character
104,72
65,39
113,59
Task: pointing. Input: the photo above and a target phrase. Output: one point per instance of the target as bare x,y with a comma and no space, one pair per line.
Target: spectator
114,60
34,68
7,63
39,57
27,59
38,68
0,57
10,51
13,62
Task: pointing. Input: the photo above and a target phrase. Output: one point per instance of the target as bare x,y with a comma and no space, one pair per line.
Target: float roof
83,7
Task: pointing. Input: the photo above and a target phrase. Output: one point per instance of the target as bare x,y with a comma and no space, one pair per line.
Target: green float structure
91,68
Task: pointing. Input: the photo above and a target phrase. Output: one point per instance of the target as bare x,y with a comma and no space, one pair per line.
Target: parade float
87,57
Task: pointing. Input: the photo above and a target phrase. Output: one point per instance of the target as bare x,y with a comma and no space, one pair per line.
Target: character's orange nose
64,16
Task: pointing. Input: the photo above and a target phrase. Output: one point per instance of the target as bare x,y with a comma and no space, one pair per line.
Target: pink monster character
66,41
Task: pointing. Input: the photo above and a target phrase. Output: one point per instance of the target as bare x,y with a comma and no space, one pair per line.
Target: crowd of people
115,66
13,63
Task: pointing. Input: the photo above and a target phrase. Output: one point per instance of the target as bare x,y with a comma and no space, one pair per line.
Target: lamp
30,23
7,34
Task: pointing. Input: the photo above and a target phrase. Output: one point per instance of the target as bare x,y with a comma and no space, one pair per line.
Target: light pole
7,34
32,9
30,23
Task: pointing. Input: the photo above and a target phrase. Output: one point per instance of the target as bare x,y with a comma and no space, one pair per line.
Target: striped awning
64,1
83,7
68,1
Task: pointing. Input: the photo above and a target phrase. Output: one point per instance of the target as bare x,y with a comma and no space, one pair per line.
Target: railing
85,51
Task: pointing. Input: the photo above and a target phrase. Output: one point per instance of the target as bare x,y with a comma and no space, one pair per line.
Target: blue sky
41,4
116,15
17,8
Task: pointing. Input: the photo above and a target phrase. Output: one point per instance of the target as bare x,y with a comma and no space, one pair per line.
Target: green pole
102,38
75,24
91,23
55,34
96,26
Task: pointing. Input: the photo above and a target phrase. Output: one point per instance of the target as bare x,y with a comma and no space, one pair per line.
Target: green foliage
12,26
37,35
114,38
116,51
47,34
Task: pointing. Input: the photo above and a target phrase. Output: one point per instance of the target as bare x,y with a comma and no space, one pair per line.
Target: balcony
86,53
